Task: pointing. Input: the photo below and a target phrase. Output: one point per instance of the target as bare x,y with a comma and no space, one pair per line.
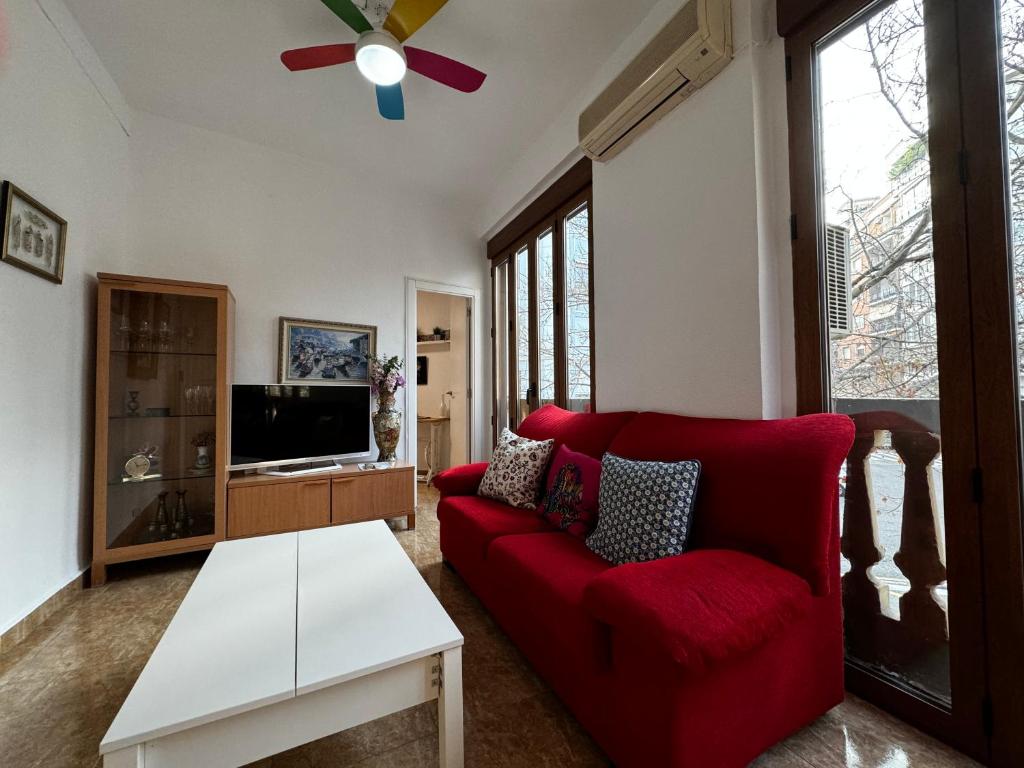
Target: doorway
443,381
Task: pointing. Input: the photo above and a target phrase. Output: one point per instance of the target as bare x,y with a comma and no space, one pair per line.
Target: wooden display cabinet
163,367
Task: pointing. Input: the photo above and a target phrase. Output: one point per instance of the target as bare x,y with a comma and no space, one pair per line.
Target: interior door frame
412,287
964,724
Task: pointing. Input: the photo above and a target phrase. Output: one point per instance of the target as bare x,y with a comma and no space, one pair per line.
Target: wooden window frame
572,191
972,248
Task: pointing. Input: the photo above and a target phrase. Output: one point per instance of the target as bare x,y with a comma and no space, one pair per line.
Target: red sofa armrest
460,481
700,608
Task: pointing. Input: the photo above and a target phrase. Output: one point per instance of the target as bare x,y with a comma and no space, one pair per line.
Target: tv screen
284,424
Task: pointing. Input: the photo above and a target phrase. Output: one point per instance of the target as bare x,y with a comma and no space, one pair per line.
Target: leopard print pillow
516,470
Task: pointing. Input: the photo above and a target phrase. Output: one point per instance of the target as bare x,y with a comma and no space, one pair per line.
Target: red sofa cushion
588,433
460,481
768,488
546,575
570,492
702,607
474,522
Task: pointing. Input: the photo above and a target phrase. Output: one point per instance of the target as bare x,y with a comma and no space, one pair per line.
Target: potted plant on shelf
203,442
438,333
386,379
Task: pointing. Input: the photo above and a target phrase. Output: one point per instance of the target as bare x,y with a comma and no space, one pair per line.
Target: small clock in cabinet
137,466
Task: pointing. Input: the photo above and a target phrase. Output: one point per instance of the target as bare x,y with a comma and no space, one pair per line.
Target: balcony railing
895,614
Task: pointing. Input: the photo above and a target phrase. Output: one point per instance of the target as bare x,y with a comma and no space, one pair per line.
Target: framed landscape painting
320,352
33,236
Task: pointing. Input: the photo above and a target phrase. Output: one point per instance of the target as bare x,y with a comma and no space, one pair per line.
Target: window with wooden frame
908,254
542,287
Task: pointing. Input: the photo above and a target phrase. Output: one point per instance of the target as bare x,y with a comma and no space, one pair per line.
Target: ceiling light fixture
380,58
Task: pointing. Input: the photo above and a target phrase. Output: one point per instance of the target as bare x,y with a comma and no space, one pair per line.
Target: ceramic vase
161,515
202,457
387,426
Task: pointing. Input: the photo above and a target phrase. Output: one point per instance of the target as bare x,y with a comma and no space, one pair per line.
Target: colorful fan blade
407,16
390,101
318,56
347,12
447,71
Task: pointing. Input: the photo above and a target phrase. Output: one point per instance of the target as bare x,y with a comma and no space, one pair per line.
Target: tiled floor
60,689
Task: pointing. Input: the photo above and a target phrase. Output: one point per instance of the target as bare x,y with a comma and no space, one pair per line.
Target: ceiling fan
381,55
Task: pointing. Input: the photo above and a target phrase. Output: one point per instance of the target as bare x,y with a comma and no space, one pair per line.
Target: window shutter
837,277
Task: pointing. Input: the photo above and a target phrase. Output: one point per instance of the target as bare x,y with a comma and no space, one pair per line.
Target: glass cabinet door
161,418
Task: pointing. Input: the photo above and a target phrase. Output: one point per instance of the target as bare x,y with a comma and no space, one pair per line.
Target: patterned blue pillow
645,509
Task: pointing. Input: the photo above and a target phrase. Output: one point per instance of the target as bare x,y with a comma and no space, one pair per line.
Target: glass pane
1012,23
546,315
577,309
880,297
162,417
522,333
501,337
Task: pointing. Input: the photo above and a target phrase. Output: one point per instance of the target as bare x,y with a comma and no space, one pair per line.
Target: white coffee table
286,639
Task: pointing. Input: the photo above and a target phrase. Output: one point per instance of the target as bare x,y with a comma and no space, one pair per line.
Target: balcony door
904,320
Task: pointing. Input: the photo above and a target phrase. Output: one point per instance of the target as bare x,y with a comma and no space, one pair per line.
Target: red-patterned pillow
516,470
570,494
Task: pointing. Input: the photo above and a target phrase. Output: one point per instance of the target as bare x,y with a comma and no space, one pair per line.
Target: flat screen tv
278,424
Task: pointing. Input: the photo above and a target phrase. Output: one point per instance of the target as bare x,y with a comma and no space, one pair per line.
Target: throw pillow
570,496
516,470
645,509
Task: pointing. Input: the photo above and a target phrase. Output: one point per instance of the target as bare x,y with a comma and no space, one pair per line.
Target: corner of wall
772,182
64,143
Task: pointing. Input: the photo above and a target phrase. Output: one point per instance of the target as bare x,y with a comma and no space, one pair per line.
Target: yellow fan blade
409,15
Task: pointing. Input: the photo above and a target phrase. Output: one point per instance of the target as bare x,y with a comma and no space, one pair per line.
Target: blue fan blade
390,101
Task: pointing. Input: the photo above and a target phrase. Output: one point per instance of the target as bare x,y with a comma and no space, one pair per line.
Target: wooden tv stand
262,504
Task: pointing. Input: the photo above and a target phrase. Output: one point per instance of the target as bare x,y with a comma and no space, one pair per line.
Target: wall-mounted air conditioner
692,48
837,279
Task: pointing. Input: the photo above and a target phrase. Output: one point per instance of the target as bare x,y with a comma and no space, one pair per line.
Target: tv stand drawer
278,507
372,496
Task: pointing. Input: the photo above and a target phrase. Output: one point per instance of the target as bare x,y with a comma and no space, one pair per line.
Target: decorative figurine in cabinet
163,366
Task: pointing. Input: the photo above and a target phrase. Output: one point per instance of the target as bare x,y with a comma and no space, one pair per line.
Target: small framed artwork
321,352
422,366
33,236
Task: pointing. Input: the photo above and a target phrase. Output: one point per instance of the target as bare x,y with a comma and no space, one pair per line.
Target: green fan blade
347,12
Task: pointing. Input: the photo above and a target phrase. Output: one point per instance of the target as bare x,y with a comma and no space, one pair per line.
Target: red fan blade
318,56
452,73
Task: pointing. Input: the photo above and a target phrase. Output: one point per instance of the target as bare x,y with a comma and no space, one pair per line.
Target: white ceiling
214,64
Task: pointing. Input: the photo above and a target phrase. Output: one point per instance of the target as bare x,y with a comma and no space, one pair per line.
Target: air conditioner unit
692,48
837,279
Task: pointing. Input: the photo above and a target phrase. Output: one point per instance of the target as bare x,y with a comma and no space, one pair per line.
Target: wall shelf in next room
433,346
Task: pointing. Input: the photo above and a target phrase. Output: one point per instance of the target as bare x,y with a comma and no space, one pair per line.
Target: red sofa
702,660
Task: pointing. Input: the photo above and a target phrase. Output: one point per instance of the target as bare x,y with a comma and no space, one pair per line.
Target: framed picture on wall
422,366
321,352
33,236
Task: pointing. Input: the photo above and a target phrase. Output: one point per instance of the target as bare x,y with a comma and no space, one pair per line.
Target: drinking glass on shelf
190,337
144,337
124,333
165,336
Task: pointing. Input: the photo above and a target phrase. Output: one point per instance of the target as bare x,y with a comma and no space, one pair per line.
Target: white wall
61,144
289,236
692,296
